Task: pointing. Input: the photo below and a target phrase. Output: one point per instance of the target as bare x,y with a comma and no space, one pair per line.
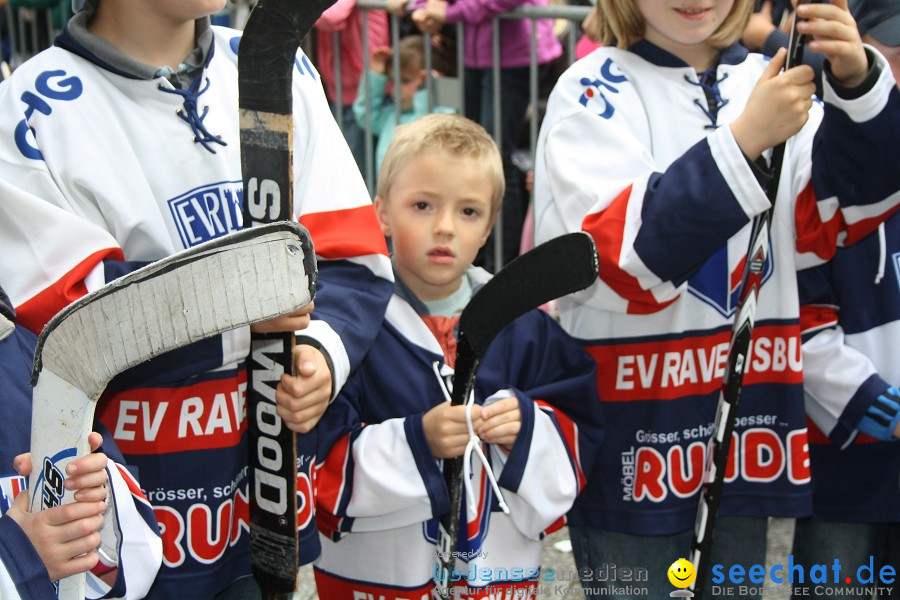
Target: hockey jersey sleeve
374,476
22,573
382,476
555,383
840,378
332,202
852,184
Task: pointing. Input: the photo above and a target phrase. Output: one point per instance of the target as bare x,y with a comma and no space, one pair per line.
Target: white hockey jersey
635,149
105,172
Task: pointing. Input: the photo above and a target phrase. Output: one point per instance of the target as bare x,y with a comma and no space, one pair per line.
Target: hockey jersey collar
732,55
108,57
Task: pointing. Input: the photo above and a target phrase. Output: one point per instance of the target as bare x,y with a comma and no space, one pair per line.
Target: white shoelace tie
474,445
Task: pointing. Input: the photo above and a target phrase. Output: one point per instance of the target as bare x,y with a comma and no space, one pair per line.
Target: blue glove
882,417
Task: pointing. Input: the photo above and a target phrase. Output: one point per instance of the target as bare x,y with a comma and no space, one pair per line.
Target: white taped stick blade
236,280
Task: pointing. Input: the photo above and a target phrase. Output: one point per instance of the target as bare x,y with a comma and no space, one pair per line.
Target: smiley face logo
682,573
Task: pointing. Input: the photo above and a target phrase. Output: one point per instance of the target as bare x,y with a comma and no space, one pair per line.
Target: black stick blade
268,48
555,268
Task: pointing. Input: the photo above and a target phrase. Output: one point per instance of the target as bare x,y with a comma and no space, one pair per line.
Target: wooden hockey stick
555,268
726,412
161,307
266,57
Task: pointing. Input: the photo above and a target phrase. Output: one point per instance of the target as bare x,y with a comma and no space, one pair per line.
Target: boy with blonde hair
380,490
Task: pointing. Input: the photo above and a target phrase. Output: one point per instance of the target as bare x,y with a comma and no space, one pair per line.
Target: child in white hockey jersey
380,490
149,90
657,145
39,548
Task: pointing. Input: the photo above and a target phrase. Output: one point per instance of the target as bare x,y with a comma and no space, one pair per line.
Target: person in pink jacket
515,52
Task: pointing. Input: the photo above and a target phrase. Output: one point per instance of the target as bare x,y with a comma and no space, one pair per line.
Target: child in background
657,144
380,486
152,89
413,97
39,548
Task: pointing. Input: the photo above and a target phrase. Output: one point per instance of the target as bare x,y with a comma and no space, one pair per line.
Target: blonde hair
441,132
620,23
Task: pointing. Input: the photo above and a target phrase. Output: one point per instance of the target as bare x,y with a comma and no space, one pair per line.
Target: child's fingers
504,435
90,463
76,511
775,65
79,564
95,440
800,75
78,528
92,493
22,464
86,480
511,416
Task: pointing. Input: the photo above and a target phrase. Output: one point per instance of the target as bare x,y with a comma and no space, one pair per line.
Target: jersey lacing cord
474,444
707,81
190,115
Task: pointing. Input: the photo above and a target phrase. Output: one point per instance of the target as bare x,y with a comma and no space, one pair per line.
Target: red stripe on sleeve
345,233
607,229
36,311
860,229
816,316
814,235
570,436
330,477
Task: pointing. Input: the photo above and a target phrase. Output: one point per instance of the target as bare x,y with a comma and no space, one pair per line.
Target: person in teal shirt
413,96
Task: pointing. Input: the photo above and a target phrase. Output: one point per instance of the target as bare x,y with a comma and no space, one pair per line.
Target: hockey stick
555,268
266,57
726,412
161,307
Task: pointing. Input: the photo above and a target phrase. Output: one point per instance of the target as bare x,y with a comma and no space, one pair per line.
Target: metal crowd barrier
448,91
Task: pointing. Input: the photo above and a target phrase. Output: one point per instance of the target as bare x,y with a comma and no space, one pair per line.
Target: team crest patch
716,286
207,212
596,90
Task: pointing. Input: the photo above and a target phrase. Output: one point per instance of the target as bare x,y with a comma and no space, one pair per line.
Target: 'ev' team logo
594,98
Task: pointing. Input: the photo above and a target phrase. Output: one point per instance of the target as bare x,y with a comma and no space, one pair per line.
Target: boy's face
438,216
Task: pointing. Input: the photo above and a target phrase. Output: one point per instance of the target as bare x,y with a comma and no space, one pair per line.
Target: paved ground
558,556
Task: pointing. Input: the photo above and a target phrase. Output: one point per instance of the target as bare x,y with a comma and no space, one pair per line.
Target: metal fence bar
461,66
369,137
338,79
498,130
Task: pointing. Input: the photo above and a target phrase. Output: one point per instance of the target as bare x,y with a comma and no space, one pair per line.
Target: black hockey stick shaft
266,57
719,445
558,267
